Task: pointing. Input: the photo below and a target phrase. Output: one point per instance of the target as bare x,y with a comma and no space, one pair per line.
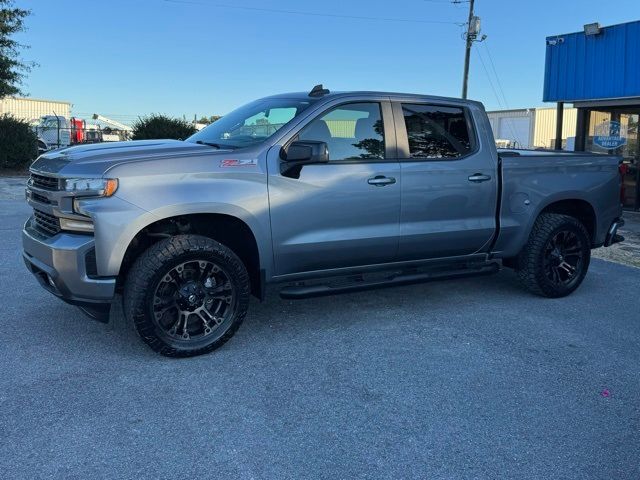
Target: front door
345,212
449,183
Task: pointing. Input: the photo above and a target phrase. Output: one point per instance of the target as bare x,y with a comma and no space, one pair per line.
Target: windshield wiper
214,145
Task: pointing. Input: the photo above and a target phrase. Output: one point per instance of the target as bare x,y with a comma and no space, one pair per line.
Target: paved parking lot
457,379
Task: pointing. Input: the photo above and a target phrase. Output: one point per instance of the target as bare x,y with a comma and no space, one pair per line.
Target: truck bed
533,179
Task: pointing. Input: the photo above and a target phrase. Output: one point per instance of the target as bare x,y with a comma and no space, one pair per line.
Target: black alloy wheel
193,300
556,257
563,258
187,295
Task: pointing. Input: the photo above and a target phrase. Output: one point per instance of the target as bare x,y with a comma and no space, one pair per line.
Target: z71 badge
239,163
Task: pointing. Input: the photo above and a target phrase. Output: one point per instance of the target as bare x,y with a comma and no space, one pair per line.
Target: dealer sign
609,135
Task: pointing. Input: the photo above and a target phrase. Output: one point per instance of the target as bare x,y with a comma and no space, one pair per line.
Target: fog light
76,225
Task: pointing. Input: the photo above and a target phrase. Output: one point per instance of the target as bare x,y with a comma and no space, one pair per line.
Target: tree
157,126
12,68
209,120
18,143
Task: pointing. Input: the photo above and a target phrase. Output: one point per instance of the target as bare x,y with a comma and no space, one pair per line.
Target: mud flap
99,311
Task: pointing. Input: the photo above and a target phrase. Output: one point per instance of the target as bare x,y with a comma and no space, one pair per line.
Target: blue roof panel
580,67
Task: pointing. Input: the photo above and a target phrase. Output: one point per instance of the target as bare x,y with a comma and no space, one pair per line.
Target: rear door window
436,131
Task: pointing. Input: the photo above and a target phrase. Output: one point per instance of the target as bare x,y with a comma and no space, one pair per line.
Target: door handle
479,177
381,181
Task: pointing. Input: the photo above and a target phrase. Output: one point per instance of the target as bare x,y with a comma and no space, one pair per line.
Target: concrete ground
471,378
12,188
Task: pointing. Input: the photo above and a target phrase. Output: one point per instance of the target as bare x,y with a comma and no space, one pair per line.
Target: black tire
162,275
547,268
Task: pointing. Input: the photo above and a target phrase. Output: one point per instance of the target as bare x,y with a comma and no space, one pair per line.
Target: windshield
252,123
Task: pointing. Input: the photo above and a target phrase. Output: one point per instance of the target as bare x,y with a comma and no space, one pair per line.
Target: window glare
252,123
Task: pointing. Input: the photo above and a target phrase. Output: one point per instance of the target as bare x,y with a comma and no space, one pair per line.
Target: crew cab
317,192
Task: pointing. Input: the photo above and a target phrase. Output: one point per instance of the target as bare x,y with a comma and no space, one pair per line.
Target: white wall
514,125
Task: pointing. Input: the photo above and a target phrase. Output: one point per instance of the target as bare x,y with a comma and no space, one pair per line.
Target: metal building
598,71
31,109
516,127
535,127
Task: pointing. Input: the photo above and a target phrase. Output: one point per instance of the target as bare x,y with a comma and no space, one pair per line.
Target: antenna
318,91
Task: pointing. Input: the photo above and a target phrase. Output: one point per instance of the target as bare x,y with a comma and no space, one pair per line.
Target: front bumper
60,263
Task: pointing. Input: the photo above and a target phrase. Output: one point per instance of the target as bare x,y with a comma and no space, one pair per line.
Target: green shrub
160,126
18,144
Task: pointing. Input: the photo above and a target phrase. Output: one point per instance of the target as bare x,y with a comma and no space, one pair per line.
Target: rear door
449,181
346,212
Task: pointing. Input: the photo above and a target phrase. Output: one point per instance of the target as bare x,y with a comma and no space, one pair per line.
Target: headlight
100,187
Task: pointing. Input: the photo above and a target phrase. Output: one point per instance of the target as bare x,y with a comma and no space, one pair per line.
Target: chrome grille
46,223
44,182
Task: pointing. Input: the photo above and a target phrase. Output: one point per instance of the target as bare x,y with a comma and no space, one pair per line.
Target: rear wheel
187,295
556,257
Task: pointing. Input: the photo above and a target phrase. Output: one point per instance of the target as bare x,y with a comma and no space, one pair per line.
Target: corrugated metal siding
580,67
31,109
545,126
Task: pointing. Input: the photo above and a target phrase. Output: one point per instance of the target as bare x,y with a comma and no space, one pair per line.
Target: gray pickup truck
319,192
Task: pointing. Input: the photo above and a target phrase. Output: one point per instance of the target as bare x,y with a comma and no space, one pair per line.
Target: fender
109,260
515,235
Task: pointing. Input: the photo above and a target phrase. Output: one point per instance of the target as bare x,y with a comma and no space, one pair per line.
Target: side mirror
301,153
306,152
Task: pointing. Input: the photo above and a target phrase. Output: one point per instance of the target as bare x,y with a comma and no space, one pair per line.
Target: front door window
351,132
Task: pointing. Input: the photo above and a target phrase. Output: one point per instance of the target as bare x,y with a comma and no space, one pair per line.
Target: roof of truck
301,95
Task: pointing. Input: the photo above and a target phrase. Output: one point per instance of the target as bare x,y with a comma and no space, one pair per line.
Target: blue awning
604,66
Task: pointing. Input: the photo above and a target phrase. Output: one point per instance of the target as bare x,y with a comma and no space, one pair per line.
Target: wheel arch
515,237
230,230
577,208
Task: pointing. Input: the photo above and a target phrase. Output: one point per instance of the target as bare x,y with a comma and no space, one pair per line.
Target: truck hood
97,158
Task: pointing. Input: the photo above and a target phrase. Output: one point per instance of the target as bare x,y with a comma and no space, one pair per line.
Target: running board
295,292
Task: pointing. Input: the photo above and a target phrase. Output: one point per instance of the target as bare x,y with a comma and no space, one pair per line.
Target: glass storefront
623,124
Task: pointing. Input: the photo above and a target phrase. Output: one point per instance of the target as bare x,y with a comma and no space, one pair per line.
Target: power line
499,83
449,2
495,92
495,73
311,14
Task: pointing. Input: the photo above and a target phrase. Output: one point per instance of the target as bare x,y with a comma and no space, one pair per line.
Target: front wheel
187,295
556,257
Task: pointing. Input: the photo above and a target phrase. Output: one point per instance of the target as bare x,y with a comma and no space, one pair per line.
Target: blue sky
132,57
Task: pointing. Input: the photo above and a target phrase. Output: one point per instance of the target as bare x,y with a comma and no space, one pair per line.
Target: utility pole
470,37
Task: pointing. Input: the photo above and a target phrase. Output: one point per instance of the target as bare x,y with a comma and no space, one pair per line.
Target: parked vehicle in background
321,193
55,131
505,143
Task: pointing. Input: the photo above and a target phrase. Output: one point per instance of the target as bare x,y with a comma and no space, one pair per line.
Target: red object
77,130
